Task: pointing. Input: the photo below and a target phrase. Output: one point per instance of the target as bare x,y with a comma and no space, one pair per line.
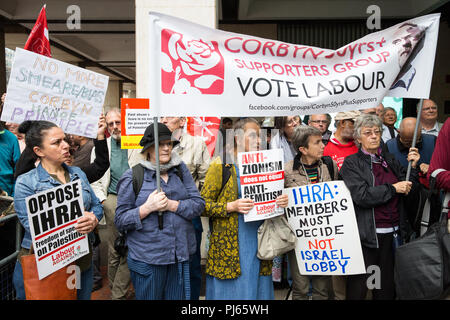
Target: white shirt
386,135
433,131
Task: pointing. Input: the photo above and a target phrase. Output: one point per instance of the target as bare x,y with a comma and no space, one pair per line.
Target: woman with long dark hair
48,142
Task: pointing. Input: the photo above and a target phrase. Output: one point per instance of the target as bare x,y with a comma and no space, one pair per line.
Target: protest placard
42,88
200,71
135,119
262,180
52,215
323,218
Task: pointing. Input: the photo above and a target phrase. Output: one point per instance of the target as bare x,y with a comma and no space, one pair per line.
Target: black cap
164,133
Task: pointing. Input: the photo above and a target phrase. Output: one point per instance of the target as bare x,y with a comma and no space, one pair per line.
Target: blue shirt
9,155
425,146
146,243
37,180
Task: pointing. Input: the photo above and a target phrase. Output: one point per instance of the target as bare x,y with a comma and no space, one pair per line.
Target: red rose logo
190,65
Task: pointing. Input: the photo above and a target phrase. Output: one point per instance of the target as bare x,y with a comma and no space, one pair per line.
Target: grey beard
175,160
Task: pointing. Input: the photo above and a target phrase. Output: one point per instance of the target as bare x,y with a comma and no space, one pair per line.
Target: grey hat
347,115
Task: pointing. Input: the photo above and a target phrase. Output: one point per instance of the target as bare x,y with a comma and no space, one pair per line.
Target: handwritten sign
42,88
262,180
323,218
52,215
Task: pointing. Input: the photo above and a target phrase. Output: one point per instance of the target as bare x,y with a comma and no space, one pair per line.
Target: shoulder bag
275,237
52,287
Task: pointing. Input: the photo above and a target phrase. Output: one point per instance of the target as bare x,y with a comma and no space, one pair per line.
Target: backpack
138,177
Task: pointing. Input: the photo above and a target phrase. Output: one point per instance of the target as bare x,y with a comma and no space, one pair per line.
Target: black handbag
422,266
120,245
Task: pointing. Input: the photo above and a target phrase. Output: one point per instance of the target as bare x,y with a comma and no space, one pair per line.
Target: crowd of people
157,212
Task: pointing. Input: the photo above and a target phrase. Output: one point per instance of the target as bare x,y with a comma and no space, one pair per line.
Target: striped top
313,172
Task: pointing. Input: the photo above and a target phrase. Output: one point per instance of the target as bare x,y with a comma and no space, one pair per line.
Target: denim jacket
146,243
37,180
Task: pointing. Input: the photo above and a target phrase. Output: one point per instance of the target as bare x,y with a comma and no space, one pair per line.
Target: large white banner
323,219
198,71
42,88
52,215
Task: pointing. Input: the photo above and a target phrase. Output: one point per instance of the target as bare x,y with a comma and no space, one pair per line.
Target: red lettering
349,65
352,49
239,63
380,43
268,45
324,69
297,49
289,70
312,52
244,46
307,71
228,48
266,66
321,244
315,70
385,54
258,66
283,47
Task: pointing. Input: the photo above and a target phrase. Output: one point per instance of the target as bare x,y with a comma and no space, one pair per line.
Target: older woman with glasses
377,183
158,224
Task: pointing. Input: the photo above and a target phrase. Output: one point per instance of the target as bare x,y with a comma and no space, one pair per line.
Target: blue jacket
146,243
425,146
37,180
9,155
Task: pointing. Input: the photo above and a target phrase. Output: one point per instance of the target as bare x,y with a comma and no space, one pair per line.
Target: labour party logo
190,65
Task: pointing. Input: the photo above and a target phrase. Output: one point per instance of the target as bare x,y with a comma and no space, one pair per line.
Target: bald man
401,144
399,148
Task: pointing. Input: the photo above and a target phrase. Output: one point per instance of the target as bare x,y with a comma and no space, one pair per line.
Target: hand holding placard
86,223
243,205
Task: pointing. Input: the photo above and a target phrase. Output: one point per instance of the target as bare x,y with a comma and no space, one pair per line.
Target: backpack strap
329,163
178,172
226,174
138,178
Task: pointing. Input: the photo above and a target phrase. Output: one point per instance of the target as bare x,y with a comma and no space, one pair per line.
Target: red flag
38,40
205,127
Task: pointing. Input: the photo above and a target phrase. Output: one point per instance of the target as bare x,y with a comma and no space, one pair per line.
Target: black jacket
356,171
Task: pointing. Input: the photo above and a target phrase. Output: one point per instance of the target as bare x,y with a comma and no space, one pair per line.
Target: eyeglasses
319,121
369,133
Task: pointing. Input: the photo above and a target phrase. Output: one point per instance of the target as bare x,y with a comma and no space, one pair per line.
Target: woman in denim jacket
48,142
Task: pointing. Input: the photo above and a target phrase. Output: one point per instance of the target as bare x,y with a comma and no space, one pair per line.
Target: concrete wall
112,98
